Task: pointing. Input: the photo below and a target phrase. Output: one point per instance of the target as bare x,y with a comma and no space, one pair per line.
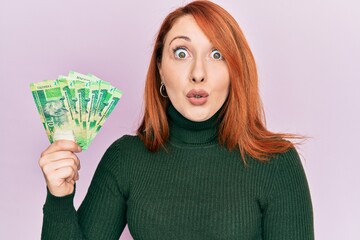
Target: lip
197,97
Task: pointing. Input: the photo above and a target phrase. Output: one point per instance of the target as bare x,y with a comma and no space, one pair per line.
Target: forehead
186,26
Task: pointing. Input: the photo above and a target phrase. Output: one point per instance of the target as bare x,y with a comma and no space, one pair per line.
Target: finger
59,176
73,178
62,145
77,176
53,166
57,156
72,182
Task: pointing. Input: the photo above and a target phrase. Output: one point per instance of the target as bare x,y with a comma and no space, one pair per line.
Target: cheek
175,75
221,78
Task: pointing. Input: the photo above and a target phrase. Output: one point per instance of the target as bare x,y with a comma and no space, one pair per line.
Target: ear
160,72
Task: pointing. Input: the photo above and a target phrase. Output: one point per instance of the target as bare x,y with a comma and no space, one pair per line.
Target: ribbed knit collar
187,133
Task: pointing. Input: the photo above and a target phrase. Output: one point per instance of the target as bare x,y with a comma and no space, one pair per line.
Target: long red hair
243,121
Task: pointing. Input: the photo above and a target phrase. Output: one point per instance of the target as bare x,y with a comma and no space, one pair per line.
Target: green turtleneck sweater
195,189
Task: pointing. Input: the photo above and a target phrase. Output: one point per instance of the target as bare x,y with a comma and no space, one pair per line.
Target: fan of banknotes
74,107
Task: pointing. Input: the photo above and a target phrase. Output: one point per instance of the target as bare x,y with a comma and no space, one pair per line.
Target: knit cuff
59,208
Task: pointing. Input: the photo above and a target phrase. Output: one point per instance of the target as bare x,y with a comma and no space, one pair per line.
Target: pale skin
60,167
189,63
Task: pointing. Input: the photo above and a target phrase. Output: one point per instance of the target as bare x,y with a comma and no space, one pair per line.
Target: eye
181,53
215,54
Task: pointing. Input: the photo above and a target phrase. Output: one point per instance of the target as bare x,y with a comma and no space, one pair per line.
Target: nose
198,73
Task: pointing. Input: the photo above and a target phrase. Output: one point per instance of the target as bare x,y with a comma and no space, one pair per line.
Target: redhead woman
202,164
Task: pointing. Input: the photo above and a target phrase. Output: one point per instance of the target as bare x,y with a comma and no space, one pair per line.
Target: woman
202,165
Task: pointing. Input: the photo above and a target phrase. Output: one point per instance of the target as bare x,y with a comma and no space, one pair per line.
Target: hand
60,167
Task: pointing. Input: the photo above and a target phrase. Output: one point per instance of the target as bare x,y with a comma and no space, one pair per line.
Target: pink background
308,55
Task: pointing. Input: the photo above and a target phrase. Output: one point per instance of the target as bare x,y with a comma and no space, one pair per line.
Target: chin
197,115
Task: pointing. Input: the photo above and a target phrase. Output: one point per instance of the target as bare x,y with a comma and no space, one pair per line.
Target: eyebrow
180,37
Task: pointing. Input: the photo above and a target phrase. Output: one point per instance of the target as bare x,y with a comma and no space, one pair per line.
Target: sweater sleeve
288,213
102,214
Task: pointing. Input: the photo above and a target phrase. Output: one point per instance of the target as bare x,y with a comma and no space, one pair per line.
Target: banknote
102,100
75,106
114,96
94,97
53,112
67,86
82,91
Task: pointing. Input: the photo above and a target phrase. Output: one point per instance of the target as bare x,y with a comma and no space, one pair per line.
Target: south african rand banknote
74,107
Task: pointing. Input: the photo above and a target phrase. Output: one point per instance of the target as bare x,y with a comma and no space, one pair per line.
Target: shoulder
280,171
279,161
121,150
126,143
288,161
288,175
125,139
125,151
283,165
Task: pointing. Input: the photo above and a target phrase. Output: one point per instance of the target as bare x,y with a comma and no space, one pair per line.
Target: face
195,74
54,108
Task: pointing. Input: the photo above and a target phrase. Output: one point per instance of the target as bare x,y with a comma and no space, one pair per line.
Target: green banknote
94,97
82,91
52,110
67,86
74,92
74,107
102,100
113,97
87,87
